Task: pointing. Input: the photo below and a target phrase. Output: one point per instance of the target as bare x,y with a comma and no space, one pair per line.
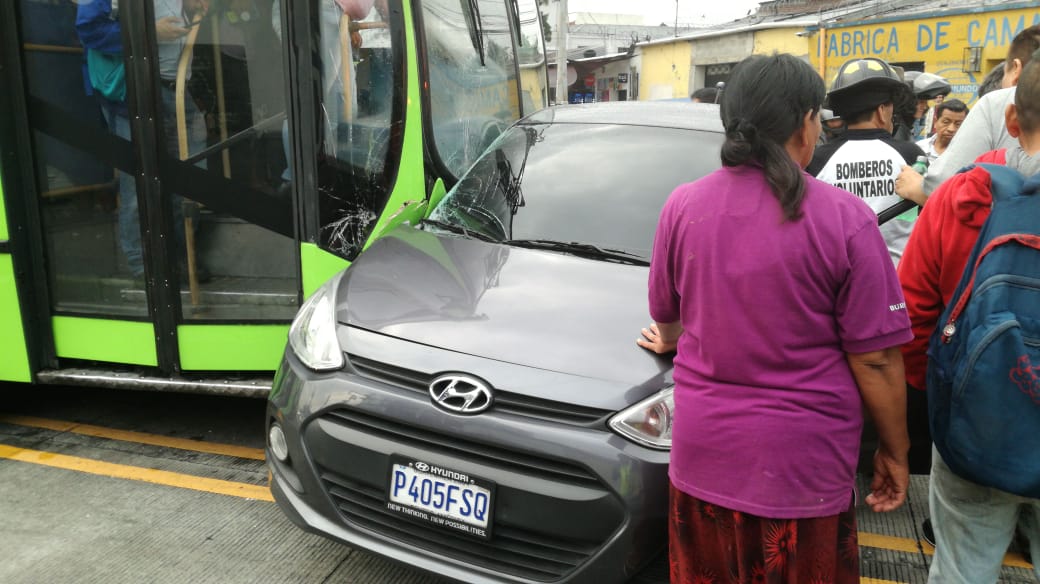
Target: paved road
112,486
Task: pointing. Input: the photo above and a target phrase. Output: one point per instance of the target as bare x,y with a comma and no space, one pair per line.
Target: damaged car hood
541,309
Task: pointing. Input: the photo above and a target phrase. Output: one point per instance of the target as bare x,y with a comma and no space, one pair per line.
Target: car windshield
597,184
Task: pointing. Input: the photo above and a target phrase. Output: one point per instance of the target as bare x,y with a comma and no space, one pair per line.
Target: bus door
154,182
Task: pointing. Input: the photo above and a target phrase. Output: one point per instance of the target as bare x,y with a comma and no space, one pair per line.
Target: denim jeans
973,526
129,226
129,215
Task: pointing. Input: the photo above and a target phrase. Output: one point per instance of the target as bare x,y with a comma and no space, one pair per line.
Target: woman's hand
879,376
891,480
654,340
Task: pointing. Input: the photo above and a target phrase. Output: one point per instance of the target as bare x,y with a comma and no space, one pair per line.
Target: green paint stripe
318,266
238,347
14,363
3,214
112,341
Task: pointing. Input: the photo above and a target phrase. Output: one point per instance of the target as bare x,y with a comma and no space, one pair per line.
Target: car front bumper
573,502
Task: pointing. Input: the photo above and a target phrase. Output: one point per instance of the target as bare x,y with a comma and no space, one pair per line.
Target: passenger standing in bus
332,53
99,30
173,21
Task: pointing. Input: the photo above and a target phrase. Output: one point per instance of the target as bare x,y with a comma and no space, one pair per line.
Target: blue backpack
984,357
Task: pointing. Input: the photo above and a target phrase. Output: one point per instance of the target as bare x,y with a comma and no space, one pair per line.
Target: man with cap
833,126
866,159
926,87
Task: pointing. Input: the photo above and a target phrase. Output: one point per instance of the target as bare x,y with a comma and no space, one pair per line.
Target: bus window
84,163
355,167
473,76
222,109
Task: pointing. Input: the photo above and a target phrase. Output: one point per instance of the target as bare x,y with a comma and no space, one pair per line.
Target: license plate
441,496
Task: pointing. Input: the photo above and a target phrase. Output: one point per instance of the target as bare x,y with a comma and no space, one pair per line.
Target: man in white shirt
950,115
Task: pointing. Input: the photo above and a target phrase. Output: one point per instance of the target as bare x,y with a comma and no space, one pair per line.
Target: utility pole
562,21
676,18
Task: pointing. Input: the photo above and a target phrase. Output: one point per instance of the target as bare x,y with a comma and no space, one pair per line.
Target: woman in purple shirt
778,294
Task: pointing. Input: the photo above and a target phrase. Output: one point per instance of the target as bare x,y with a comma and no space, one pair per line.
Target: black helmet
930,86
862,84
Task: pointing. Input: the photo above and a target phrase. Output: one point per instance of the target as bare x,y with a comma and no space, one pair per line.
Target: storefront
961,46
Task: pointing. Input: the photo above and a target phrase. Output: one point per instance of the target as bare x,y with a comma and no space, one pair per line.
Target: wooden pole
221,103
182,143
346,51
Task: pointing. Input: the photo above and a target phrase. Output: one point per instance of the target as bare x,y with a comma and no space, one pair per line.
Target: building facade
960,43
961,40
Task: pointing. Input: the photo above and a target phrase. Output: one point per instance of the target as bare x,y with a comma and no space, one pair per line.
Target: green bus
177,175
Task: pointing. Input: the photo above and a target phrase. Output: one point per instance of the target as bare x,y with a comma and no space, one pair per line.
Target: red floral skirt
709,544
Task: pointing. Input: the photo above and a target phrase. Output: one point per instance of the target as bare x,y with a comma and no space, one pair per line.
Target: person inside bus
375,48
99,30
333,97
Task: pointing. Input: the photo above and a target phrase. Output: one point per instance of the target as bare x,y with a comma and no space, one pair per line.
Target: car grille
513,550
529,465
505,401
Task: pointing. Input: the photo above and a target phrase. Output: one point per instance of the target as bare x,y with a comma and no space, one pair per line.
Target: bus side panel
318,266
14,366
410,184
113,341
239,347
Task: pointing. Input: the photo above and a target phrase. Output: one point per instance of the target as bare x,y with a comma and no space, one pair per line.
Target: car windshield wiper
581,249
456,228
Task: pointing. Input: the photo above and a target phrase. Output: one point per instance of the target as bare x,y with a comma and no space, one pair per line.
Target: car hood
535,308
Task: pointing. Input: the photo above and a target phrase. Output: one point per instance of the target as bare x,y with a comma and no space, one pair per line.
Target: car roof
684,114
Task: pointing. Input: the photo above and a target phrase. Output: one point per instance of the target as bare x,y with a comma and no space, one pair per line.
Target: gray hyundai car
468,397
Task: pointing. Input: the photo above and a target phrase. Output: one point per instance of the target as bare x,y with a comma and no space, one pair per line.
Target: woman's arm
879,376
661,337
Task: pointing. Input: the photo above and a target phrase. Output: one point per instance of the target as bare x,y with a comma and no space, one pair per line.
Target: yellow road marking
133,473
139,437
876,581
903,544
887,542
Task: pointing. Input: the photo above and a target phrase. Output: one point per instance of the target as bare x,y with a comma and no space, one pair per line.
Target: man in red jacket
935,260
973,524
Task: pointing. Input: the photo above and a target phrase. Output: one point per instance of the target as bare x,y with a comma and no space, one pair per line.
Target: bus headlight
312,335
649,422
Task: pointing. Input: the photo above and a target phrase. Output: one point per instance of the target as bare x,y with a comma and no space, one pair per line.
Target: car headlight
649,422
312,335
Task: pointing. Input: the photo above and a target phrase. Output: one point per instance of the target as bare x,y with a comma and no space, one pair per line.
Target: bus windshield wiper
476,30
456,228
581,249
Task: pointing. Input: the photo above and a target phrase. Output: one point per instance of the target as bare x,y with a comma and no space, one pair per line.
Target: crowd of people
790,311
